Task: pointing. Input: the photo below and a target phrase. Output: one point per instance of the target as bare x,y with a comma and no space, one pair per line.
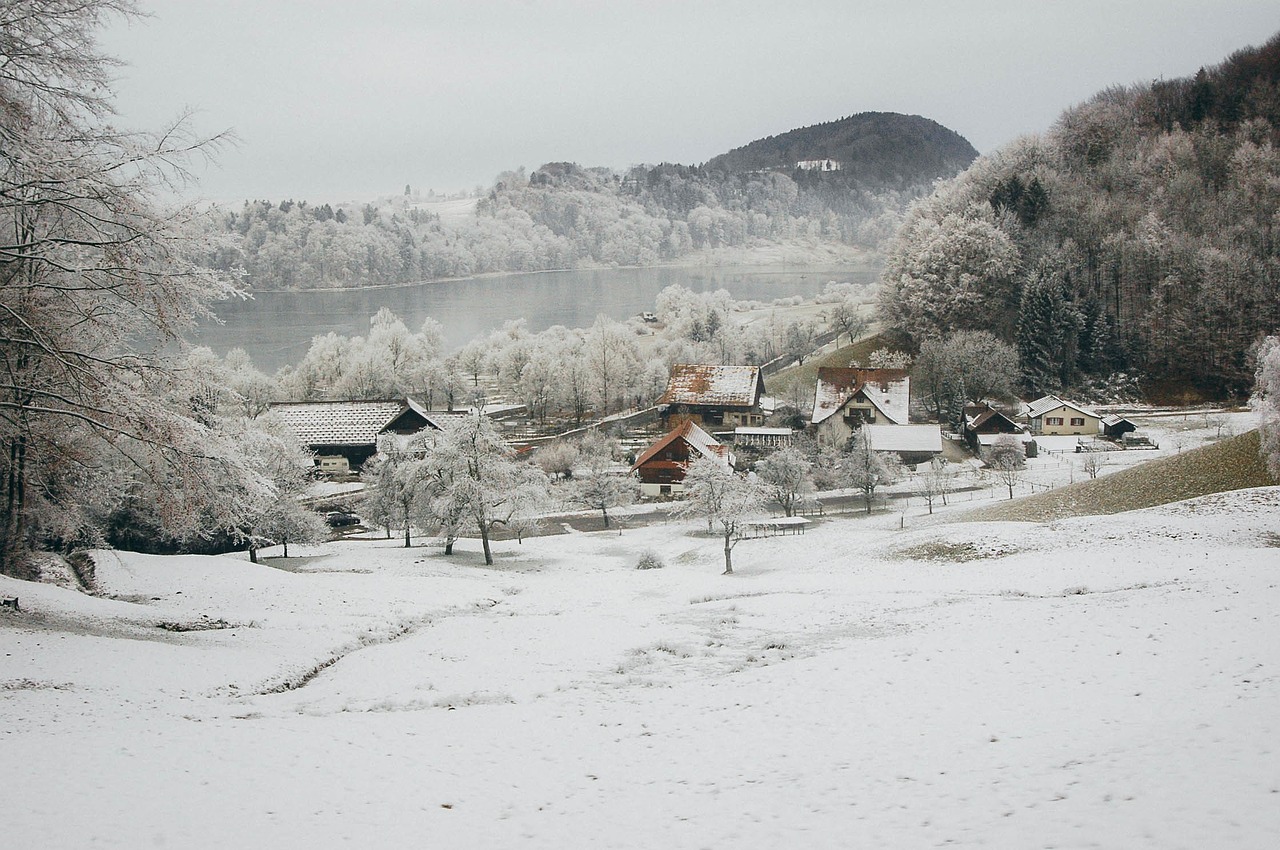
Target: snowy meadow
1103,681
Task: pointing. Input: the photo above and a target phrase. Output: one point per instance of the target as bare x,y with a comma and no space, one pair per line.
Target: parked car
341,519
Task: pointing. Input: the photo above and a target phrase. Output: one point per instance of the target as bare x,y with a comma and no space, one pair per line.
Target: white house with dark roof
718,396
1052,416
845,399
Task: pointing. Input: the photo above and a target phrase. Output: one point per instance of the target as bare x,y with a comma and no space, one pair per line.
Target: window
1053,420
1077,420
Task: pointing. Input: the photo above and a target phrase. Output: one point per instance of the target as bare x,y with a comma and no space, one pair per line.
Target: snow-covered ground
1099,682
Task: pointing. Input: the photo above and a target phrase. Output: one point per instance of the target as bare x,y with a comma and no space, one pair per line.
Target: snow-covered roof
698,440
734,386
338,423
888,390
987,440
1041,406
904,438
762,432
1112,419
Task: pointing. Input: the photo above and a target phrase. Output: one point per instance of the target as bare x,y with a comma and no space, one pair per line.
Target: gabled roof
888,390
732,386
1115,419
977,416
904,438
338,423
699,441
1041,406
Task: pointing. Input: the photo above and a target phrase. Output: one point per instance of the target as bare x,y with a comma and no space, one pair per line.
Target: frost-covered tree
1266,400
725,499
863,468
784,475
478,482
276,515
96,273
936,482
599,484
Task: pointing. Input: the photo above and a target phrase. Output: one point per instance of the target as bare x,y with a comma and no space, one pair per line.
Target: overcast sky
340,101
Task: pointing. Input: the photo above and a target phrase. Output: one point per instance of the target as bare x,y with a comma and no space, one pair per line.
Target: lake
276,328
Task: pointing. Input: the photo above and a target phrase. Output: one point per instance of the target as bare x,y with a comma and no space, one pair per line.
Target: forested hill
1140,234
564,216
873,149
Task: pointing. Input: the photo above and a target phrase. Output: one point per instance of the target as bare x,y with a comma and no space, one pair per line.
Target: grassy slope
807,374
1231,464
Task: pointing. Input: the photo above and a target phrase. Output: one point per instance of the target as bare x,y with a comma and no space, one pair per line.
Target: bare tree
936,482
1093,462
1006,458
863,468
599,486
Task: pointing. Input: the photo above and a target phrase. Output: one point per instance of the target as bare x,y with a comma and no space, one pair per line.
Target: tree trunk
406,535
484,540
286,547
448,547
253,553
728,554
605,512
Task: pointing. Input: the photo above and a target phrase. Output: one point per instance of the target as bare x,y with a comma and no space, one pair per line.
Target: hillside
874,149
1139,234
564,215
1232,464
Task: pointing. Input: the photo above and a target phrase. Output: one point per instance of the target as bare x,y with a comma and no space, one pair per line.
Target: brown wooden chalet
981,420
345,434
846,399
662,466
716,396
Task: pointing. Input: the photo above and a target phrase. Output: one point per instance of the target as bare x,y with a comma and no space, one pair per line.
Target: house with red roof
663,465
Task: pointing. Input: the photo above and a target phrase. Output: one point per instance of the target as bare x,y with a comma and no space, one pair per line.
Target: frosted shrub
650,560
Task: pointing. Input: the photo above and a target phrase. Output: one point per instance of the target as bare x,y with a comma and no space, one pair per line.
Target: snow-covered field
1102,682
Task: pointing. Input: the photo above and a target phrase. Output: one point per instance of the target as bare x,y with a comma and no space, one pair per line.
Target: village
724,414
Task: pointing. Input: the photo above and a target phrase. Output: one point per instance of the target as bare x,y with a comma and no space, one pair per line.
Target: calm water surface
276,327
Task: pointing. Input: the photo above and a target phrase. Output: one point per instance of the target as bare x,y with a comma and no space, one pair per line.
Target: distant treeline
1140,233
564,216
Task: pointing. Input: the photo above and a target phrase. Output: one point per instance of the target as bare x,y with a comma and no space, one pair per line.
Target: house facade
713,396
663,465
846,399
1051,416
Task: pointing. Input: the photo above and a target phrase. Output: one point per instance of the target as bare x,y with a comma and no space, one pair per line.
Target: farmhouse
1052,416
719,396
845,399
345,434
662,466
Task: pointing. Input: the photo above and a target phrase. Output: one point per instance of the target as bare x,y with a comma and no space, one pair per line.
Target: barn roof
888,390
904,438
699,440
734,386
348,423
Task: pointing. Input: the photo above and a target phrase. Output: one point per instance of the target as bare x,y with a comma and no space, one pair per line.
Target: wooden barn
662,466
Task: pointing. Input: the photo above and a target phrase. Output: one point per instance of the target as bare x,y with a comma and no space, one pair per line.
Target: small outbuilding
1115,426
